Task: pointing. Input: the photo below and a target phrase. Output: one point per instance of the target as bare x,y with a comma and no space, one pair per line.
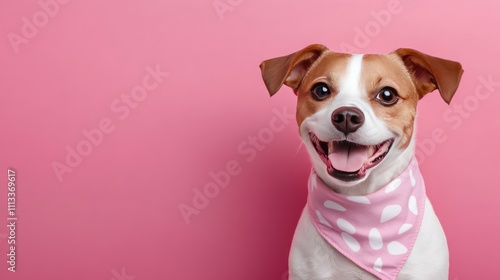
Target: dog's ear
290,69
430,73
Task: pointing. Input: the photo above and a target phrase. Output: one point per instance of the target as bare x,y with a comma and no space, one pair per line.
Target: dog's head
356,113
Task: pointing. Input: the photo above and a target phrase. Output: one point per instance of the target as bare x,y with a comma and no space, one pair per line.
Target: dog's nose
348,119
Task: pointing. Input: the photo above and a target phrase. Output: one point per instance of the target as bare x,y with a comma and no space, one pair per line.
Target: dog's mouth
348,161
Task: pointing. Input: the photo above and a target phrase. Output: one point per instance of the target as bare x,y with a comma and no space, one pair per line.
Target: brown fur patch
379,71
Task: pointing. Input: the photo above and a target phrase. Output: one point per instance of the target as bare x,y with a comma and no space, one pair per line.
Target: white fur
311,257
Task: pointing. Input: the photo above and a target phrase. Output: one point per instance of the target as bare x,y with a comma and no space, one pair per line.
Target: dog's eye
320,91
387,96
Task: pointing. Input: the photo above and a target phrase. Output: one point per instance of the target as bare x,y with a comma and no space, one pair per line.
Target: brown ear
290,69
430,73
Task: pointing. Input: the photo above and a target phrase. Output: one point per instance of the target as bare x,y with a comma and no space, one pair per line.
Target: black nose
348,119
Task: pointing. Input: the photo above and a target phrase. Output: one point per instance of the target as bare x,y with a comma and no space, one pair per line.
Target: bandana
377,231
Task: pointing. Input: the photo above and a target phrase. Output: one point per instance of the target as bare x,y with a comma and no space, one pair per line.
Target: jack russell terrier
367,215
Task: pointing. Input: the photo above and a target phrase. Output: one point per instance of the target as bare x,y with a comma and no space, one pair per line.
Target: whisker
298,148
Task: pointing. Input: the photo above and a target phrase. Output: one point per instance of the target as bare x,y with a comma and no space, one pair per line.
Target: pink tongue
348,157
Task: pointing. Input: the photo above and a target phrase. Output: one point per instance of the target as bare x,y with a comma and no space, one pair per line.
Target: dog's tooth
330,147
373,150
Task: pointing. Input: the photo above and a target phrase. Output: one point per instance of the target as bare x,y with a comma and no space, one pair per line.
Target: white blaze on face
353,93
345,157
350,85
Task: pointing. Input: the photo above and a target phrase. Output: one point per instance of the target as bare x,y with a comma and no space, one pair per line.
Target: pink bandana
377,231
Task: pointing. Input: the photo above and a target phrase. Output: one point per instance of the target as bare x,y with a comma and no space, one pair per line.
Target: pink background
116,215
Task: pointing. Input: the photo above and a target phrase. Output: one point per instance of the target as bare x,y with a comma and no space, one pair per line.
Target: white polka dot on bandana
412,205
346,226
351,242
412,179
378,265
322,219
393,186
334,206
375,239
404,228
390,212
359,199
396,248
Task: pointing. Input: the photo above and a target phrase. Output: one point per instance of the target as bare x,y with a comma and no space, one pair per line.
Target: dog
367,215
